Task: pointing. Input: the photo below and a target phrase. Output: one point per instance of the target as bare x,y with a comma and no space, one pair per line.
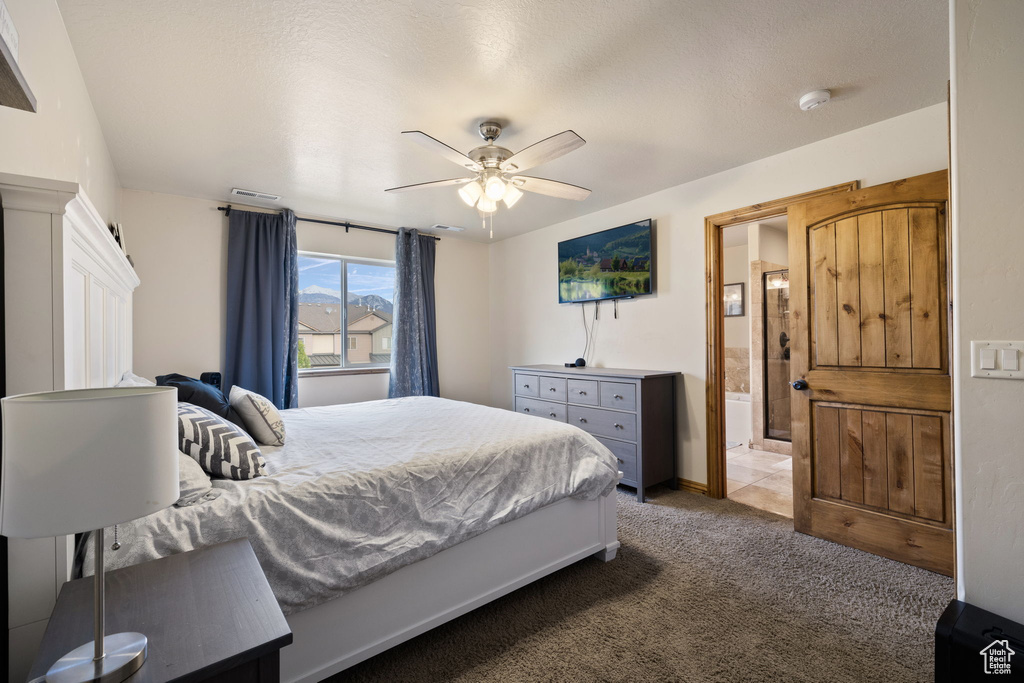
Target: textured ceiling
307,99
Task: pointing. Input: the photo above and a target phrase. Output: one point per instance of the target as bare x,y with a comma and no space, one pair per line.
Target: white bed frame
414,599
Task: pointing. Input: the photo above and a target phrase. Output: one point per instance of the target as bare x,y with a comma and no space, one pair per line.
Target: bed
380,520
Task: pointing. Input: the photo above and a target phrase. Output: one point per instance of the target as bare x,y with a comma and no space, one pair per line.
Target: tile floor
760,479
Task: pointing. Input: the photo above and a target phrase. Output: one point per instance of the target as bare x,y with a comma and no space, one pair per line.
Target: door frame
715,311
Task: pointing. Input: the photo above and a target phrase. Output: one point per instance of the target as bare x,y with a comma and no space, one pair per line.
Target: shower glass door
777,419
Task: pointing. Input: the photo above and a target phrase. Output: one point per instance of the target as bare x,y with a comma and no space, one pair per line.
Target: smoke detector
815,99
253,194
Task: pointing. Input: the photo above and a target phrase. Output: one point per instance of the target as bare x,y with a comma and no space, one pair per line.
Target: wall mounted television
611,264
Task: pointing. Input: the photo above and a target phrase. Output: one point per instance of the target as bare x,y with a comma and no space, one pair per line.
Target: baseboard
693,486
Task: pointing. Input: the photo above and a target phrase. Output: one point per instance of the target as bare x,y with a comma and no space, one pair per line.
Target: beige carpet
702,590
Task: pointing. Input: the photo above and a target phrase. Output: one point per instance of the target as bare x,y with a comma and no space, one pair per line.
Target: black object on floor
972,644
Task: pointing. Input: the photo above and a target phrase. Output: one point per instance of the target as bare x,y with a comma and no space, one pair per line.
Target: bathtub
738,418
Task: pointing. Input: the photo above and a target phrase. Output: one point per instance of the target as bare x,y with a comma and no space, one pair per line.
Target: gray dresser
632,412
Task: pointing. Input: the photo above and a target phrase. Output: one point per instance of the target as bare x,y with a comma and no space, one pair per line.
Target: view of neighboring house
368,339
369,335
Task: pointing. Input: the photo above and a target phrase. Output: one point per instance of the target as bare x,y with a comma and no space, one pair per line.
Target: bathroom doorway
755,267
714,227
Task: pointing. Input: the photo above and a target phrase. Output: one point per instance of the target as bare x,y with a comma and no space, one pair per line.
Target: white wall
736,268
179,246
62,140
666,331
987,175
770,245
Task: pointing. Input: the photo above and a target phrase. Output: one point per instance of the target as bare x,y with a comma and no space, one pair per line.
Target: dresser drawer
583,391
552,388
531,406
527,385
625,454
604,422
618,395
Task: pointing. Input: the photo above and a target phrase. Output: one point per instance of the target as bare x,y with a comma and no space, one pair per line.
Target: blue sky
363,279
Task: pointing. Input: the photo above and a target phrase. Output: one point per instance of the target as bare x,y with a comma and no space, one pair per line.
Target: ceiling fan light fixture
512,195
471,192
494,188
487,205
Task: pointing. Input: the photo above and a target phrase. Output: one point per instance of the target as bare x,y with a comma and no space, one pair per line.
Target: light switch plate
1004,356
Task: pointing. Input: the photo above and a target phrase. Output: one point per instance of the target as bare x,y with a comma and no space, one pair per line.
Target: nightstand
208,614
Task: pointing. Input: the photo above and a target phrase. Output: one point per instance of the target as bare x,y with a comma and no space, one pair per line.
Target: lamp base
125,654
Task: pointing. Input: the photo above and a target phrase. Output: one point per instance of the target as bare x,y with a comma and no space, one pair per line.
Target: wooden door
872,463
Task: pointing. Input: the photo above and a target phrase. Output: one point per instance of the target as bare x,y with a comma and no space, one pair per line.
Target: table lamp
82,460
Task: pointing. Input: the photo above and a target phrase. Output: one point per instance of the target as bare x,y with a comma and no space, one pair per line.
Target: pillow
129,379
191,390
194,484
260,417
223,449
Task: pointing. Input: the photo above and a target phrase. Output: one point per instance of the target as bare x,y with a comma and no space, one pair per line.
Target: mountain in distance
628,241
314,294
371,301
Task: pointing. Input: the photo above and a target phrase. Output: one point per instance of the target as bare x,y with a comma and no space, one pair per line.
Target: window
344,298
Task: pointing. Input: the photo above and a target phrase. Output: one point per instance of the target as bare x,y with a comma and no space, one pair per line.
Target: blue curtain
262,303
414,332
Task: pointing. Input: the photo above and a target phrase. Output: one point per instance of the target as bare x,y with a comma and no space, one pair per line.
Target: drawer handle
526,386
582,393
553,414
526,410
552,389
618,426
620,460
583,419
618,396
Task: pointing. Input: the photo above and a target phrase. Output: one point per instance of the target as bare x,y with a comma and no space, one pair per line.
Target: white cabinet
68,325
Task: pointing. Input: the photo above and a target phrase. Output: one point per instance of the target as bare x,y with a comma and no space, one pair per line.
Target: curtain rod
346,224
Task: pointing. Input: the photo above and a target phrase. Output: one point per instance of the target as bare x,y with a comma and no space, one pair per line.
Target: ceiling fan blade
542,152
433,183
551,188
449,153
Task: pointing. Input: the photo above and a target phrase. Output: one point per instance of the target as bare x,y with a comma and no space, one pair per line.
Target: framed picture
734,301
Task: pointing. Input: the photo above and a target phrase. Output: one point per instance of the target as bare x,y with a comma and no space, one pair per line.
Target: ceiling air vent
449,228
252,194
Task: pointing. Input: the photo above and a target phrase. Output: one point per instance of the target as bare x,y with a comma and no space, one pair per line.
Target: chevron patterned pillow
220,447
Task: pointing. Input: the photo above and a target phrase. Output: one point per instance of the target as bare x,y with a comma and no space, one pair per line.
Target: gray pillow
260,416
194,484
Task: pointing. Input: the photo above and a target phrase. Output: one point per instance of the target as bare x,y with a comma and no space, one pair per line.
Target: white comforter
359,490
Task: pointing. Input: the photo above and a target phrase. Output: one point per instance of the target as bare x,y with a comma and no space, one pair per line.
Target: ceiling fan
497,169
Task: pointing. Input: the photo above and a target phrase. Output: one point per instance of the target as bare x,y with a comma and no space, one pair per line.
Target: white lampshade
486,205
512,195
471,192
494,188
74,461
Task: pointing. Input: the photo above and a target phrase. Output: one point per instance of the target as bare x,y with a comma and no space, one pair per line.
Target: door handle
799,385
